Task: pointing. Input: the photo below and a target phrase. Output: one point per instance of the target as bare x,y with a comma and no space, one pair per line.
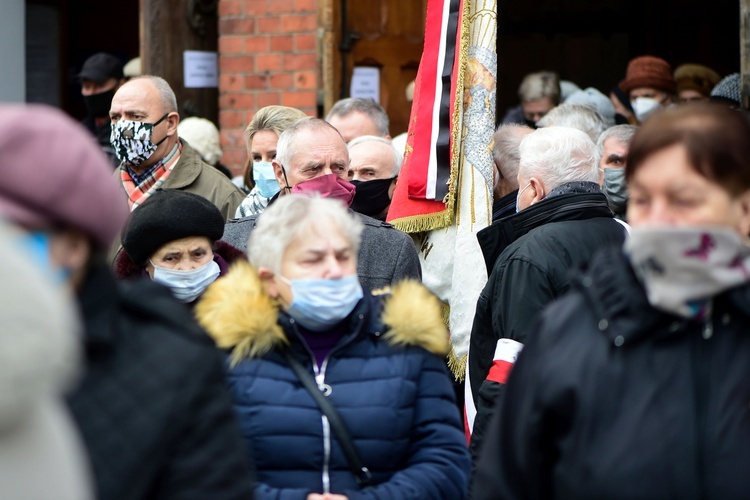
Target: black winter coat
152,407
612,398
533,256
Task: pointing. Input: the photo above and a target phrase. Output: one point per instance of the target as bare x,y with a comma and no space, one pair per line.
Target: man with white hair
562,220
312,159
355,116
373,169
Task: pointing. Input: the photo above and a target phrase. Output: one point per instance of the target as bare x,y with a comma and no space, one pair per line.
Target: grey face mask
615,189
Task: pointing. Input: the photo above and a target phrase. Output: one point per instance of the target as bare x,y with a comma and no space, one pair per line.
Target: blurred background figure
174,239
373,169
261,137
151,405
301,303
41,452
623,109
578,116
650,85
507,157
637,383
613,146
695,82
538,93
354,117
728,91
101,75
597,101
132,68
203,136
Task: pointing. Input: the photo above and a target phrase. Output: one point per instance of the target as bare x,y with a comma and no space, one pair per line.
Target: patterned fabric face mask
132,141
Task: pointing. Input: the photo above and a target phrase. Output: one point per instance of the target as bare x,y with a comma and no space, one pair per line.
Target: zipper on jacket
320,379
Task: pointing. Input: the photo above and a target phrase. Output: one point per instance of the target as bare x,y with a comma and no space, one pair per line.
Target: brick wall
267,55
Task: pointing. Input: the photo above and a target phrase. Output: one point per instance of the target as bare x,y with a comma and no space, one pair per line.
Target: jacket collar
187,170
567,207
505,206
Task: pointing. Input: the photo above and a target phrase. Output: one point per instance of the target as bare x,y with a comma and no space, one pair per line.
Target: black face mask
530,123
621,119
371,197
98,105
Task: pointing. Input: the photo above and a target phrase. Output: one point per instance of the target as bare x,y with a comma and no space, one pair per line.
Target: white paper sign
366,83
201,69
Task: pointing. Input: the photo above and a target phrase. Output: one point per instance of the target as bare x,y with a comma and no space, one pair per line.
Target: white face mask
643,107
187,285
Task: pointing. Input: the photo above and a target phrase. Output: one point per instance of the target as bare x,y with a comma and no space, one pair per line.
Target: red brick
231,45
255,7
242,64
232,137
236,26
282,43
296,23
230,8
254,44
268,24
281,6
231,119
231,83
305,80
295,62
267,62
267,99
234,157
255,82
281,81
299,99
306,5
235,101
305,42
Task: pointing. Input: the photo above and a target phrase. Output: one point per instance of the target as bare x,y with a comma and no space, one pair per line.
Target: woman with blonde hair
261,136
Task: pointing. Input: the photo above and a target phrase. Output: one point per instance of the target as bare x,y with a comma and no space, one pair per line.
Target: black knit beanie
169,215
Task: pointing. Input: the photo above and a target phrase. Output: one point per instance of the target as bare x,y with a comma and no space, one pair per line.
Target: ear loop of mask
157,123
286,181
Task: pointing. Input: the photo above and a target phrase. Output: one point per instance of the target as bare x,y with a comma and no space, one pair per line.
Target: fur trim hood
239,315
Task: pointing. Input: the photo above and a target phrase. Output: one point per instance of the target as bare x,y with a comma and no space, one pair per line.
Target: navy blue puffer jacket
390,388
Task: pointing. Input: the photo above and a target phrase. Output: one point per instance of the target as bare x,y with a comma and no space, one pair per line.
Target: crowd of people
174,332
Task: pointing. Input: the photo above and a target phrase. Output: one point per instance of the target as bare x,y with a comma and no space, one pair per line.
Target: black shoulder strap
361,473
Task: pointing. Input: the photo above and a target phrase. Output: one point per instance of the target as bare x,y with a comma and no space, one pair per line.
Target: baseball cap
100,67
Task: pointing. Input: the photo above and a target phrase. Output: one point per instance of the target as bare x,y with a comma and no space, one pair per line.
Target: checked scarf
139,191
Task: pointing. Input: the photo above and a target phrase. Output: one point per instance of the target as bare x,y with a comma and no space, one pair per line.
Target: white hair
398,158
292,217
368,107
621,133
537,86
286,147
558,155
575,116
505,152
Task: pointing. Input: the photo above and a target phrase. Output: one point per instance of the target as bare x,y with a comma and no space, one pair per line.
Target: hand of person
326,496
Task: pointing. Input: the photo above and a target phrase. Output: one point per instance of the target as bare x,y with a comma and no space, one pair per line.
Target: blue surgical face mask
319,304
187,285
264,178
36,244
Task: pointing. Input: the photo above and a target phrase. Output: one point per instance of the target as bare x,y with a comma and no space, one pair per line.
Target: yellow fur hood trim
239,315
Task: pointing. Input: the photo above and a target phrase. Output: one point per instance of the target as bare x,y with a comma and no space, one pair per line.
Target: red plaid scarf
138,193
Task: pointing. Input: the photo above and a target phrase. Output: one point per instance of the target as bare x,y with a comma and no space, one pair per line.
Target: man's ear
268,279
539,191
278,172
172,119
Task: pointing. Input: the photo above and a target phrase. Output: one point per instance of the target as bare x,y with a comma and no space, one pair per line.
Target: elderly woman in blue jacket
378,360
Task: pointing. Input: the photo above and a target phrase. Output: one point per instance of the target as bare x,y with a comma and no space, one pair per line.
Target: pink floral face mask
328,186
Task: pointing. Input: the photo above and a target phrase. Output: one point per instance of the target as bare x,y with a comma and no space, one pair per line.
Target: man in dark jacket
152,407
531,256
506,156
311,158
